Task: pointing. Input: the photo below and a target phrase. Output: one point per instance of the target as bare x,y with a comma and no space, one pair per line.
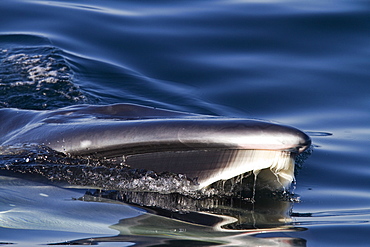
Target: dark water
301,63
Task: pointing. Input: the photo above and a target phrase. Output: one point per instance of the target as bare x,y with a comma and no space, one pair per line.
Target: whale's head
205,148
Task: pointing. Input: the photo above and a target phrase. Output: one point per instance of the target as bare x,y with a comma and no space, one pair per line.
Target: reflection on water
207,221
266,211
33,212
221,221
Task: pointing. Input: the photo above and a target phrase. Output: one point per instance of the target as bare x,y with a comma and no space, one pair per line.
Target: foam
37,78
37,69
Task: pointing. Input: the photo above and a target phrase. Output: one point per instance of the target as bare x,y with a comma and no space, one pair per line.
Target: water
301,63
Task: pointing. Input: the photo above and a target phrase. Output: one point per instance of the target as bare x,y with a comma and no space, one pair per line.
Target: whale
202,147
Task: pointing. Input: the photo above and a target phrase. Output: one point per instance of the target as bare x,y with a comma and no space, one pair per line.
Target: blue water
300,63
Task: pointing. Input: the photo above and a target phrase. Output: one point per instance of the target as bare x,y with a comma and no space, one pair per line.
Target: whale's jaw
209,166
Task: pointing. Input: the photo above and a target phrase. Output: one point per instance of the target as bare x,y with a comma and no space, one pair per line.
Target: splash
55,166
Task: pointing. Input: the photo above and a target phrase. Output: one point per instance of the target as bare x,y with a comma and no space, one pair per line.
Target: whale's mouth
209,166
194,173
274,168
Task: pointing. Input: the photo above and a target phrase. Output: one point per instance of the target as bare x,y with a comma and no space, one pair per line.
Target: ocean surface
300,63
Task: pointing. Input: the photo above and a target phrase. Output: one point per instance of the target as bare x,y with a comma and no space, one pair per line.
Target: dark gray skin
144,134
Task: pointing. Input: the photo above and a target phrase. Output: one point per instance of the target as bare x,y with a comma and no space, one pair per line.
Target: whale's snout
293,140
304,142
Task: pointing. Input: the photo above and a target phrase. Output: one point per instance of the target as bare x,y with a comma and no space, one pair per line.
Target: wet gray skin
204,147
